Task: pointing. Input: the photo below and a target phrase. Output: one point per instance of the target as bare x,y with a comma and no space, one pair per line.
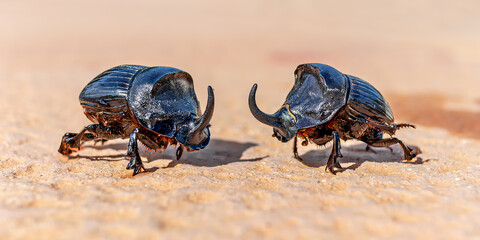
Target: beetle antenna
404,125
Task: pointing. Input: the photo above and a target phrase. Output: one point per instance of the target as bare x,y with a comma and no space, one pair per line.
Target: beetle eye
296,76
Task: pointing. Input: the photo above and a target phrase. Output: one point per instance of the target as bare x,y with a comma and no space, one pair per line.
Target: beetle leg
179,152
408,152
370,149
332,160
71,141
391,149
295,150
101,141
135,162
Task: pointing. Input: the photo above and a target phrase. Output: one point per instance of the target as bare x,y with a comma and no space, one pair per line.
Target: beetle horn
204,120
268,119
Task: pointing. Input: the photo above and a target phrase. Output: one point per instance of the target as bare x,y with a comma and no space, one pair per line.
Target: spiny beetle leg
179,152
370,149
408,153
295,150
71,141
135,162
332,160
331,163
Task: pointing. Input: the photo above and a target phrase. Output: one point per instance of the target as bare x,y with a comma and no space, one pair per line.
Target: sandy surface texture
422,55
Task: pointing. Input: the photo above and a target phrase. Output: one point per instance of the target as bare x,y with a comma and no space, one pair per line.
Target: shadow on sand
218,152
222,152
357,154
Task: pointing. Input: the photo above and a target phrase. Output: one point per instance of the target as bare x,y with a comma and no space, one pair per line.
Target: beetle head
283,121
287,129
193,132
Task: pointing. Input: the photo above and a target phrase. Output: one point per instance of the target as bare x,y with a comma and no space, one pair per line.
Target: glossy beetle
326,105
155,105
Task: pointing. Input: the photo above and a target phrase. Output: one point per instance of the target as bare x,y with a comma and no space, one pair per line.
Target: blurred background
422,55
412,48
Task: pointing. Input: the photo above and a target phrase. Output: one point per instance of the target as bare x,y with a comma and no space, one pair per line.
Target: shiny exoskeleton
155,105
326,105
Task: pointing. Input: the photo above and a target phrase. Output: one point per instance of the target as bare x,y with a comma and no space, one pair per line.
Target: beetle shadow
218,152
356,155
110,158
103,146
113,158
108,145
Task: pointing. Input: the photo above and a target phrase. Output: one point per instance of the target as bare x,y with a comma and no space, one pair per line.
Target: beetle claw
137,170
135,165
337,165
411,154
330,169
332,163
68,144
130,165
297,157
332,160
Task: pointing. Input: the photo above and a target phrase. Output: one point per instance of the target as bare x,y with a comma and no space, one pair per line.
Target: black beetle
326,105
156,105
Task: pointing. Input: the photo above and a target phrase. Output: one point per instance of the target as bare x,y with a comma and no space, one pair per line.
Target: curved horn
203,121
270,120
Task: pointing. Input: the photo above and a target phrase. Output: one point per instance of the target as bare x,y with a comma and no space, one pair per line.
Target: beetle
154,105
326,105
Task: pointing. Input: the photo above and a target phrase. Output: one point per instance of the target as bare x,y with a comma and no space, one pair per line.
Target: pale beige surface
245,184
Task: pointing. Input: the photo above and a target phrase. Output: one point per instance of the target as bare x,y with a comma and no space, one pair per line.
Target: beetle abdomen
366,102
104,98
110,85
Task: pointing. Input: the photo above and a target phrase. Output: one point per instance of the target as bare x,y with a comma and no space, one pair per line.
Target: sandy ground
422,55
